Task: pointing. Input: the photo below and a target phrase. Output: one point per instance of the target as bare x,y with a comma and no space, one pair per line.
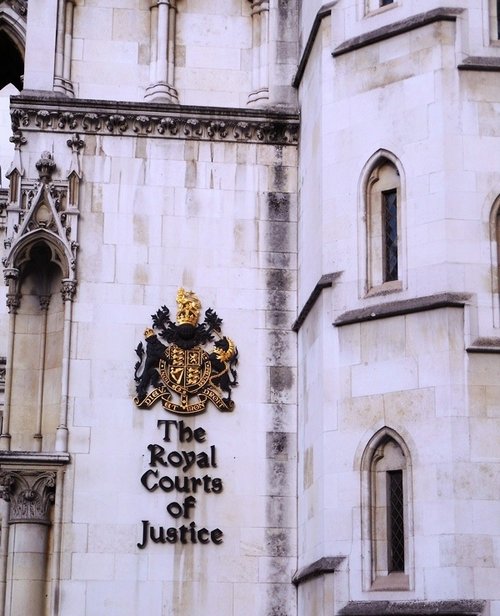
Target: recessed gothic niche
39,270
37,358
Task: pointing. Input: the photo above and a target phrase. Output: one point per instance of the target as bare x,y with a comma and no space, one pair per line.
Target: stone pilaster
30,494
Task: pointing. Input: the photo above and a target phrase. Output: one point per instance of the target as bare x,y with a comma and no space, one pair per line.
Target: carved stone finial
68,290
30,494
45,167
75,143
18,139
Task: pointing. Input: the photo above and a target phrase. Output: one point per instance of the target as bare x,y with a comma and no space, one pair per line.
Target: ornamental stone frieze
30,494
153,120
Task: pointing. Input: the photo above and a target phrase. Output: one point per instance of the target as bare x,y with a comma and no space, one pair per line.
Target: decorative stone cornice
55,115
30,494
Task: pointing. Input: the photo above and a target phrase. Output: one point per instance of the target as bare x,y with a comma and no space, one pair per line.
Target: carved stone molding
153,120
68,290
19,6
30,494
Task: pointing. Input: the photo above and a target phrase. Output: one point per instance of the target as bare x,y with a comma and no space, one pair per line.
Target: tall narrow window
383,227
390,232
395,522
498,19
386,516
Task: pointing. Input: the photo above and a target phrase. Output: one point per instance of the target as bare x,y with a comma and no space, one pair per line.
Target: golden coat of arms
182,374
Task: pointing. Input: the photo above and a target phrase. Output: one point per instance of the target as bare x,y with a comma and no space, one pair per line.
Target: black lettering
172,535
144,480
199,435
175,458
192,532
206,537
166,423
185,432
195,482
182,533
157,452
184,487
217,485
160,538
145,525
203,461
216,536
166,484
190,459
207,481
189,503
174,509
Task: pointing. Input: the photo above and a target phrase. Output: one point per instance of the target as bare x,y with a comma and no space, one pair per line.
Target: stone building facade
290,210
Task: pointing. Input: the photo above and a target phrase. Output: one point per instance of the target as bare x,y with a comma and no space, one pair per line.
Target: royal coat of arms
182,374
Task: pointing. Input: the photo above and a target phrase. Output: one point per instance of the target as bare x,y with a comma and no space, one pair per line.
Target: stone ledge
398,27
324,11
324,282
458,607
405,306
43,112
327,564
480,63
484,345
28,458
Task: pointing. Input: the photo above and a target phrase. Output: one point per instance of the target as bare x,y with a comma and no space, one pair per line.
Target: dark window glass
11,65
498,19
395,525
384,2
390,230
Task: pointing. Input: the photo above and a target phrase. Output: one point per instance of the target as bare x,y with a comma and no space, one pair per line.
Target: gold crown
189,307
148,332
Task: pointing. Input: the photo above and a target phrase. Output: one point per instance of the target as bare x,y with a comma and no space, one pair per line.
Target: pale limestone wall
412,373
218,218
212,51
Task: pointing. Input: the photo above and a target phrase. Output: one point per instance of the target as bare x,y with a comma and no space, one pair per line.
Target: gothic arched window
384,229
386,506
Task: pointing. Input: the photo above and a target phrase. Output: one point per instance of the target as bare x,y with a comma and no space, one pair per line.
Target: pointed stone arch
12,45
382,229
386,470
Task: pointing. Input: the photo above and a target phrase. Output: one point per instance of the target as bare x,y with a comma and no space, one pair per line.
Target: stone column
68,290
260,53
162,60
64,45
11,276
30,493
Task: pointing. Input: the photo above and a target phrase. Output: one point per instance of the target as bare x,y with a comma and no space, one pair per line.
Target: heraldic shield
182,374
